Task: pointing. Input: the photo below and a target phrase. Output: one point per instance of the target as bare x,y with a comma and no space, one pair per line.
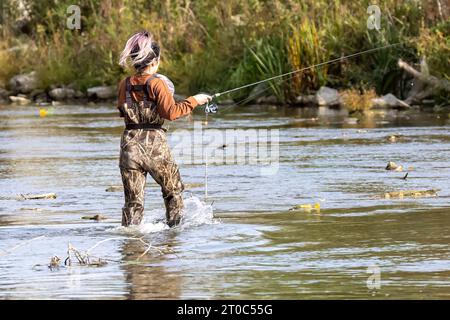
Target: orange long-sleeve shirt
159,92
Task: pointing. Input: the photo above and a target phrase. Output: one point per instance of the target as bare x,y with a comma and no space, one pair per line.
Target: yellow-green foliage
435,45
305,48
354,100
14,58
212,46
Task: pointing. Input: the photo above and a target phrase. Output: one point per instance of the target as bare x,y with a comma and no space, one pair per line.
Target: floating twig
97,217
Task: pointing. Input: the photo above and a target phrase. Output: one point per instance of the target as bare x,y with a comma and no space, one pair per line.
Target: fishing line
206,160
292,73
212,107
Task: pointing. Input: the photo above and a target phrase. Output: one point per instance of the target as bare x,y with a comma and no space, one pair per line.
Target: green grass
210,47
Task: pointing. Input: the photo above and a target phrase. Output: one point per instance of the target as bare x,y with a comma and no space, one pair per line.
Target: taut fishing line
213,108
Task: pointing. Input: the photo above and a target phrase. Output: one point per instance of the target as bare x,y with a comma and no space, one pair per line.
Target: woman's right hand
202,98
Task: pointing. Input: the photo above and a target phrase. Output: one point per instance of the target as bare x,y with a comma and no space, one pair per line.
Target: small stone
393,138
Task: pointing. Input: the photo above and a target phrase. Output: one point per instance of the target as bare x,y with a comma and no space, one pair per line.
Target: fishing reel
211,107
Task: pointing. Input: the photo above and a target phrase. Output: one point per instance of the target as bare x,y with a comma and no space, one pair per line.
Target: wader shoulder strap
128,91
138,88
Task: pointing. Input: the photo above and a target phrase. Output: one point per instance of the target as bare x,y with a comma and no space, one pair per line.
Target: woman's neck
145,73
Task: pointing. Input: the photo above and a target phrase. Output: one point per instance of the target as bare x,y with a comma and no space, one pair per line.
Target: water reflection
145,275
260,249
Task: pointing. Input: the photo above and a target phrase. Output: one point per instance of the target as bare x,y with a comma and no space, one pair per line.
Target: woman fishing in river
145,102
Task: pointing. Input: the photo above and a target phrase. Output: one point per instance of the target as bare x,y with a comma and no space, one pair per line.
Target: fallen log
426,78
426,84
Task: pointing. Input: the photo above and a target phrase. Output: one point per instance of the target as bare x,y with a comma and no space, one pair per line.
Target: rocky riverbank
24,89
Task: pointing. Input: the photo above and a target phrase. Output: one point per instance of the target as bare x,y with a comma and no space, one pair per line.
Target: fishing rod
212,107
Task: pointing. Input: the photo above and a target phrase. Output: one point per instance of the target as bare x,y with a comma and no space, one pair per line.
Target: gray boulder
61,94
327,97
102,93
391,101
24,83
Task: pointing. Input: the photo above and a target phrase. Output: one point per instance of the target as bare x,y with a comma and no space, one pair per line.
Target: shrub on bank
209,46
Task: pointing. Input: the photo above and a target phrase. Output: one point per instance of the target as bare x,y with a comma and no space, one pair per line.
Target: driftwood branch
37,196
422,76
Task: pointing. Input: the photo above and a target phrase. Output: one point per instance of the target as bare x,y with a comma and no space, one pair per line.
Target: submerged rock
97,217
24,83
189,186
393,138
411,193
327,97
102,93
306,207
114,188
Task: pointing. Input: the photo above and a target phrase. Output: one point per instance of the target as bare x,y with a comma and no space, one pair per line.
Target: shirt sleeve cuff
192,102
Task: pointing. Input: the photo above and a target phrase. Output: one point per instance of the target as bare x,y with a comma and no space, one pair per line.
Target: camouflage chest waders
143,150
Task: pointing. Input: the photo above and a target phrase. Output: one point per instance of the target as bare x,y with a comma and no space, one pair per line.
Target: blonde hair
141,50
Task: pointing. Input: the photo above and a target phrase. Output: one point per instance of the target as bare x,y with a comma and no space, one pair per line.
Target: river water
241,241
